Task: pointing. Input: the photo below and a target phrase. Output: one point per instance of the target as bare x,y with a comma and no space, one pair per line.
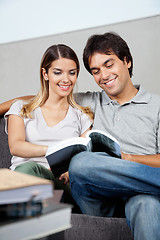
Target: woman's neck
56,103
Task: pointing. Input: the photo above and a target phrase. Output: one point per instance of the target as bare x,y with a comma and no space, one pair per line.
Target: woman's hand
64,177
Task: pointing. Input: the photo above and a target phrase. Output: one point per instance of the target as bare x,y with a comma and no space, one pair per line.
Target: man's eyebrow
94,68
108,60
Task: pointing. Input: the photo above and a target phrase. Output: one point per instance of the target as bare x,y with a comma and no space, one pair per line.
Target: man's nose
104,74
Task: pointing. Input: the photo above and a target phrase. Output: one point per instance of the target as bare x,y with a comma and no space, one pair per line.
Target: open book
59,156
16,187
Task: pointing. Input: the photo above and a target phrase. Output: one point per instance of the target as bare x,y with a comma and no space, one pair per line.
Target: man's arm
4,107
150,160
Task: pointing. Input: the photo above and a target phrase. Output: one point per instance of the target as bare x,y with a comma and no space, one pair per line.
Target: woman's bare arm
17,143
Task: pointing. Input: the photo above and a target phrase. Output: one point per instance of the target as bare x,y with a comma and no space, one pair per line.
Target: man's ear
126,62
129,64
44,73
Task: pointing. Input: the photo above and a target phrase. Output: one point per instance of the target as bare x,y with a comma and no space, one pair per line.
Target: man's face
110,73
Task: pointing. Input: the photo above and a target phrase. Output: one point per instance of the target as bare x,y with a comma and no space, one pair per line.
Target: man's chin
110,91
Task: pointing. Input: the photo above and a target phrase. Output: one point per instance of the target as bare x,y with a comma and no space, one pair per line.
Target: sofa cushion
5,156
97,228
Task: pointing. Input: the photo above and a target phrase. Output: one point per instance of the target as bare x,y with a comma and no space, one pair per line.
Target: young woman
51,116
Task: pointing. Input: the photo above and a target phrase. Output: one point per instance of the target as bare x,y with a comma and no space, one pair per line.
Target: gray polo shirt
135,124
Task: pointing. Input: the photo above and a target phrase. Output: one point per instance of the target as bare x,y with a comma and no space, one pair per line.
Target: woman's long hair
53,53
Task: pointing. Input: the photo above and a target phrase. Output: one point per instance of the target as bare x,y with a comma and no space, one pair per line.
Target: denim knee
79,165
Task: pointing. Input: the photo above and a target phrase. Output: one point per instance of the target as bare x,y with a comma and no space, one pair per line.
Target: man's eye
95,72
109,65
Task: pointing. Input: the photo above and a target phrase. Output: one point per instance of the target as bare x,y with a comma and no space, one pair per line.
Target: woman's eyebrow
74,69
58,69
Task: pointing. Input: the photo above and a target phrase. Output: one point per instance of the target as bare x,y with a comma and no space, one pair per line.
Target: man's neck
125,96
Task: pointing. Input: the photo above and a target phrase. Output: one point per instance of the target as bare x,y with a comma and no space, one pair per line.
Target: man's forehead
101,57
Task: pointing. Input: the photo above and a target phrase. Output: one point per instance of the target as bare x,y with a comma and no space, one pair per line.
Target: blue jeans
99,181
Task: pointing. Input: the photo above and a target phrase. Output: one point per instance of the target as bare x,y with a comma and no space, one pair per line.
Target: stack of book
28,209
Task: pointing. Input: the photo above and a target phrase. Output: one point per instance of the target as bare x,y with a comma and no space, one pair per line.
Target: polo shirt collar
141,97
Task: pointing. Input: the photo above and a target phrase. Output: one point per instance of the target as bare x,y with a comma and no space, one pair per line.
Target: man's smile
109,82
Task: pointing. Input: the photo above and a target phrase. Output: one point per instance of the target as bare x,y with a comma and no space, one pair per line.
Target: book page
11,180
100,132
102,143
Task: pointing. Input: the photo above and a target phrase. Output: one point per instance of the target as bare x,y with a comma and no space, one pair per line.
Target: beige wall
19,61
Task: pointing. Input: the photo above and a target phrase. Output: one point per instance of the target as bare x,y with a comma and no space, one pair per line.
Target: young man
99,182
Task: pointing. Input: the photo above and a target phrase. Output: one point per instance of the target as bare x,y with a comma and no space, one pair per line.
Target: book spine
25,209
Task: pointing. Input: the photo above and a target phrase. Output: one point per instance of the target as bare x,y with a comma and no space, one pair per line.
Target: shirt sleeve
87,99
14,110
86,122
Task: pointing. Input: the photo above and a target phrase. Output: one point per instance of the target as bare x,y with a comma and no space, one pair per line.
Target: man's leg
143,216
97,180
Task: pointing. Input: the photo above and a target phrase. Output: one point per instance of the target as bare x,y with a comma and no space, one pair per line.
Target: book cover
59,156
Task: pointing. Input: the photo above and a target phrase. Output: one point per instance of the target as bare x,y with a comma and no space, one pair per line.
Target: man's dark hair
107,43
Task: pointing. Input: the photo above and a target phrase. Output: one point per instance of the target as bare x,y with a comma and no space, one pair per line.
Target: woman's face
62,76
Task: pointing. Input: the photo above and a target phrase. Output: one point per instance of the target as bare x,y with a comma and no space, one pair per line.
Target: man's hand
126,156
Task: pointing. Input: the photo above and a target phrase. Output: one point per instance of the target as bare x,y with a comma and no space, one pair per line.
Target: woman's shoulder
15,107
75,110
17,103
79,114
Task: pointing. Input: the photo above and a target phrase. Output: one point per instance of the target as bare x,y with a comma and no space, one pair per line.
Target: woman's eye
72,73
57,72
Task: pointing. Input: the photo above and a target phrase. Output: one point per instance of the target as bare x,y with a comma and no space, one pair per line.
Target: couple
102,185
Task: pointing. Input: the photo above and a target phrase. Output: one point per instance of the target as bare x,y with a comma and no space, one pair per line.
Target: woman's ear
44,73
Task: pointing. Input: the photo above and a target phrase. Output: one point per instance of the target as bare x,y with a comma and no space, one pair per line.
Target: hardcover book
16,187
